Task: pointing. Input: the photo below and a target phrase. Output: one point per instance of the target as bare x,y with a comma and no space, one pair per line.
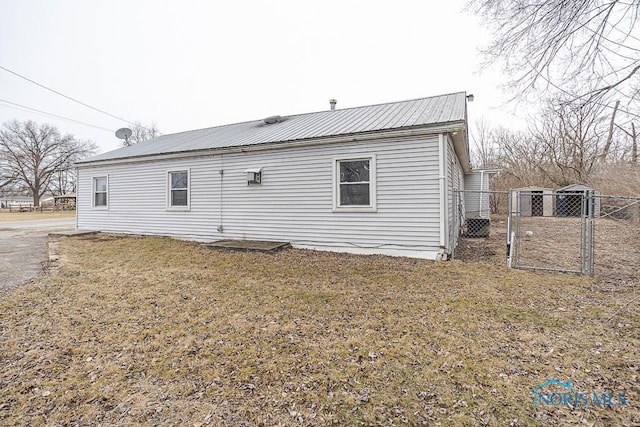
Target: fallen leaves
151,330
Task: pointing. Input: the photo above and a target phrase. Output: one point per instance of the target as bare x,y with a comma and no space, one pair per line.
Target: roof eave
461,147
458,127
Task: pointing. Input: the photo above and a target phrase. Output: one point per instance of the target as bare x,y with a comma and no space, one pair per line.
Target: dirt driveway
23,247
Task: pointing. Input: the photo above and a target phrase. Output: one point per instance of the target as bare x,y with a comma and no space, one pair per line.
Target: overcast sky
194,64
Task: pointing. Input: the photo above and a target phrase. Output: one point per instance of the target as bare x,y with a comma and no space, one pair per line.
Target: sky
195,64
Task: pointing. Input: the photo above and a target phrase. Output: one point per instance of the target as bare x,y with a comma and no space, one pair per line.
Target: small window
355,184
100,191
179,189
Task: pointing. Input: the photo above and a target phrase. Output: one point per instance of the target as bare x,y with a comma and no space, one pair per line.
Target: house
532,201
370,180
6,201
569,201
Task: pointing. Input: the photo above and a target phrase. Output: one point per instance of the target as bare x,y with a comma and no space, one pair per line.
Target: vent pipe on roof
332,103
272,119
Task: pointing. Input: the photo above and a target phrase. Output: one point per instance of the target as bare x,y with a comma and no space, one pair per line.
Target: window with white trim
178,196
100,186
355,184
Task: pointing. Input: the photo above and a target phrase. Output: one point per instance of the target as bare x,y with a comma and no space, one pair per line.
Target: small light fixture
254,176
470,97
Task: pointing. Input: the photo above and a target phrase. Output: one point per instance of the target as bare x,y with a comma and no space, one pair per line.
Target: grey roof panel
578,187
395,115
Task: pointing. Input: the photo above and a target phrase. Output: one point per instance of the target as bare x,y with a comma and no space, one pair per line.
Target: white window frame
170,207
93,192
372,207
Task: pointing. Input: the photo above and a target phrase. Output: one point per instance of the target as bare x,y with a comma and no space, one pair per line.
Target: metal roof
422,112
575,187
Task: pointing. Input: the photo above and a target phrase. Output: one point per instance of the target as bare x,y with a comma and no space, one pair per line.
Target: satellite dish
123,133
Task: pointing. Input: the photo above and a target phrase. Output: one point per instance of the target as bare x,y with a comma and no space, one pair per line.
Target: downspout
220,227
442,179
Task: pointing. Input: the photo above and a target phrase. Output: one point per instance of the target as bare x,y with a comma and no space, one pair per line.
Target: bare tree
483,152
141,133
634,144
7,178
33,154
584,47
63,181
572,139
633,136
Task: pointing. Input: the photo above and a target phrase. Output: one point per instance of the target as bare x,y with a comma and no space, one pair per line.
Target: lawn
157,331
6,216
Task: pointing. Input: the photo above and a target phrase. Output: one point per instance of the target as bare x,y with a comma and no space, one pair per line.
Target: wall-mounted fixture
254,176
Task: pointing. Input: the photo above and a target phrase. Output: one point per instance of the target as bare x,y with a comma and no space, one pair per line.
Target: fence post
583,231
591,230
516,240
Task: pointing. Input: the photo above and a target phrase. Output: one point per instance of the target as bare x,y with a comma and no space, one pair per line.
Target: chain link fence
479,225
552,231
617,241
567,231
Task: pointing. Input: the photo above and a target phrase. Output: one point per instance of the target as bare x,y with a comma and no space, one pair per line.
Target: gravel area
23,249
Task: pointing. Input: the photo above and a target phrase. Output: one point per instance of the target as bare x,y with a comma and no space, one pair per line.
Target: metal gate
555,235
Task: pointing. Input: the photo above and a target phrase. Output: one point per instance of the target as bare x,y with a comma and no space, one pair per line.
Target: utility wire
24,107
66,96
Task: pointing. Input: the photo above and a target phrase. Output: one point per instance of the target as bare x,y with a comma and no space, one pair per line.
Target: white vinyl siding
476,198
295,202
454,173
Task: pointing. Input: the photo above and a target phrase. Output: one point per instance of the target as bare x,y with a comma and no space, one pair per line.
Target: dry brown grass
161,332
6,216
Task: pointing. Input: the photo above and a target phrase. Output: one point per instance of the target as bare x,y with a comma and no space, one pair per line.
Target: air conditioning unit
254,176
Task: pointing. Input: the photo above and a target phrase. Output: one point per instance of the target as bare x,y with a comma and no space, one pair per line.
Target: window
179,189
355,184
100,191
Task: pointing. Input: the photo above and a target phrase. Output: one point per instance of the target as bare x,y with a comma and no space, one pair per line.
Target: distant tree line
578,63
38,159
565,144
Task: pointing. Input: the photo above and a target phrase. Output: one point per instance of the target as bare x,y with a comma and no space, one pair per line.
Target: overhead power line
66,96
24,107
